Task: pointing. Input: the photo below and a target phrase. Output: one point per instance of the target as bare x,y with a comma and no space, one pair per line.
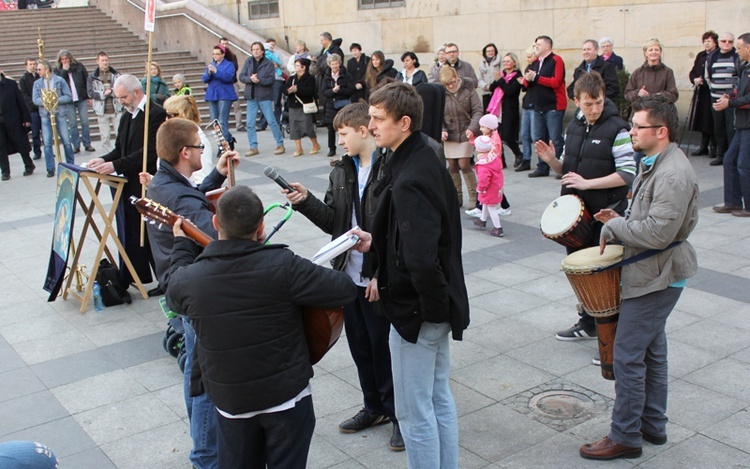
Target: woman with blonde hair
186,107
159,89
463,109
653,77
300,52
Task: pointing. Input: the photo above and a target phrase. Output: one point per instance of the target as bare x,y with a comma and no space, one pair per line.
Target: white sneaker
475,212
504,212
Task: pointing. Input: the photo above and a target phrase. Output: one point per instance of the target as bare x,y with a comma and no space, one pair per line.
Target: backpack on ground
113,291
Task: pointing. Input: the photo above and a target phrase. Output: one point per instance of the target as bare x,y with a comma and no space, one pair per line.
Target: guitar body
213,197
322,328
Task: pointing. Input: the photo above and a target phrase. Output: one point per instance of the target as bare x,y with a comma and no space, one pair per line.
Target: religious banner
62,231
150,16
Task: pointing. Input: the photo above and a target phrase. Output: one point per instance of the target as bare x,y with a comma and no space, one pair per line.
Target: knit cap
489,121
483,144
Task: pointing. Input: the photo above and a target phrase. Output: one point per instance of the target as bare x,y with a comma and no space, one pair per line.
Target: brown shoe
252,152
480,224
279,150
606,449
726,208
736,213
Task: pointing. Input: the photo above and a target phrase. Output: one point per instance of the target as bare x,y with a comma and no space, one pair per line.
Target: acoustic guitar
322,326
213,196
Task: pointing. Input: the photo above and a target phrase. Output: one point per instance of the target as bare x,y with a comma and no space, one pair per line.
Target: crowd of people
403,286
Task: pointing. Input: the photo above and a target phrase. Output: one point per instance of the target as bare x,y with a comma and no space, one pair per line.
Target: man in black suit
127,159
14,127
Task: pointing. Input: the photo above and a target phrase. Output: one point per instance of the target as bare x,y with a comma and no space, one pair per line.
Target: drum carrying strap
638,257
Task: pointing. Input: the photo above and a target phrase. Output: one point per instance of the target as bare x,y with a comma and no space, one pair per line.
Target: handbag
308,108
341,103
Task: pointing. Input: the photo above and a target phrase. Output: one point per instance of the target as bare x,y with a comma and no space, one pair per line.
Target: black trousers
280,440
4,161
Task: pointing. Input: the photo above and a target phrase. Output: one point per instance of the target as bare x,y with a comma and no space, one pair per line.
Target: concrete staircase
85,31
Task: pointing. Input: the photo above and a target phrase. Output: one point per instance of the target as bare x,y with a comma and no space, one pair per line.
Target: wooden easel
93,182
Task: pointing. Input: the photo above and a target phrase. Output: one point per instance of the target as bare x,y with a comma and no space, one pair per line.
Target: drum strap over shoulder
638,257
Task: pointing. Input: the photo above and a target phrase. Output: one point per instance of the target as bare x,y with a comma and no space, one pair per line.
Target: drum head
589,259
561,215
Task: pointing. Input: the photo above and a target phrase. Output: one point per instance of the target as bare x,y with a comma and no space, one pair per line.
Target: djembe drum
599,293
566,221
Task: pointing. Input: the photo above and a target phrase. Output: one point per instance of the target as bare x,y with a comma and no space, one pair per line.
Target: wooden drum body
566,221
599,292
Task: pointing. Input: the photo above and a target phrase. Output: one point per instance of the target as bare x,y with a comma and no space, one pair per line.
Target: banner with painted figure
62,231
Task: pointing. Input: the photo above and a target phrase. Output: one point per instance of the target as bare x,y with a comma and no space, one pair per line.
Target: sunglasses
199,147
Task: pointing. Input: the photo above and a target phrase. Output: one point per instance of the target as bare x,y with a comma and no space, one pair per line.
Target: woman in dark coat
14,127
338,87
411,73
378,70
300,88
507,80
703,121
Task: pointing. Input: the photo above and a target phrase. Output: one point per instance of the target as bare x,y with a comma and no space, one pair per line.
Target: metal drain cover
559,404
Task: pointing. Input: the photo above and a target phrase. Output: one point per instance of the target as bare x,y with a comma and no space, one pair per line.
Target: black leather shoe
29,171
538,174
89,148
332,153
519,160
50,174
77,150
717,162
524,166
397,441
155,292
654,439
37,157
5,177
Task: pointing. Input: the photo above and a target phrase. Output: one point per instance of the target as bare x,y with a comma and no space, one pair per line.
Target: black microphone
270,172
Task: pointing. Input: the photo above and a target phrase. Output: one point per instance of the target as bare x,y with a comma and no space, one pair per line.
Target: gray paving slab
99,388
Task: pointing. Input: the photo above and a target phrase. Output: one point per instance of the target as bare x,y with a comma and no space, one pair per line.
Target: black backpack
110,284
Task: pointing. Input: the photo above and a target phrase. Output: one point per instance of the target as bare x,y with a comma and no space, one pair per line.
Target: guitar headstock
218,134
154,212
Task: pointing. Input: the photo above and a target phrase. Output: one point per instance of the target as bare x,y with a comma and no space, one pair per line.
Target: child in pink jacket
489,170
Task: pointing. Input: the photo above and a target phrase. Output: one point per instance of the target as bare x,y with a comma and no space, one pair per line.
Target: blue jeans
201,413
640,366
546,126
737,170
62,133
527,117
220,110
424,404
278,86
81,108
266,107
36,132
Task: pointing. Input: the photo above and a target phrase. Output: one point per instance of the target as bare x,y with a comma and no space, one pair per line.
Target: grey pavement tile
15,291
729,286
157,374
496,432
555,356
478,316
704,303
507,302
742,355
89,459
729,377
465,353
167,446
477,261
373,439
509,274
721,262
500,377
136,351
714,336
64,436
553,287
381,458
552,317
25,313
348,464
733,431
477,286
29,411
324,454
54,346
468,400
349,375
174,398
337,358
39,328
10,359
505,335
738,317
72,368
124,418
696,408
590,377
127,326
19,382
97,391
698,451
679,319
347,396
685,358
559,452
548,261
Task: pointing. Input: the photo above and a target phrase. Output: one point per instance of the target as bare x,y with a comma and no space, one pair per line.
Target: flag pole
149,21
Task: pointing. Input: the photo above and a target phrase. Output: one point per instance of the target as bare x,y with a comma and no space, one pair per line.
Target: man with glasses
663,213
127,159
737,157
179,146
545,81
50,81
464,69
721,69
597,165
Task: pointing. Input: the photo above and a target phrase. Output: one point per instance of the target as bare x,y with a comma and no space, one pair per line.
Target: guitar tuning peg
160,225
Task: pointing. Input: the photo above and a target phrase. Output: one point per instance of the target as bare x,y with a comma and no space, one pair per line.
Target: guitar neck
195,233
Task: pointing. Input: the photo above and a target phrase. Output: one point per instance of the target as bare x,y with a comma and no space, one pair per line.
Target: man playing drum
663,213
597,165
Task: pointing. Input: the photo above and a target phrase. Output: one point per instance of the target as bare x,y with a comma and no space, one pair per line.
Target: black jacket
418,77
607,70
306,90
358,69
26,85
588,152
172,190
335,48
333,215
346,89
245,300
511,125
80,78
417,237
14,114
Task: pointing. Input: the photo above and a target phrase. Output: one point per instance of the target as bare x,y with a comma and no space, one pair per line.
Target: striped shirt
722,73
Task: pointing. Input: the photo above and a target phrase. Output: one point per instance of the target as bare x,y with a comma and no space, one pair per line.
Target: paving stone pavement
99,389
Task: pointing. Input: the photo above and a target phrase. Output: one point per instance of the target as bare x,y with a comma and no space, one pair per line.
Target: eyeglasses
727,41
199,147
637,127
452,51
170,115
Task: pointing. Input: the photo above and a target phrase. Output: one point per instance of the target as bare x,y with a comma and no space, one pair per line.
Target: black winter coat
80,78
358,69
346,89
511,125
245,300
306,90
607,70
26,85
14,114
